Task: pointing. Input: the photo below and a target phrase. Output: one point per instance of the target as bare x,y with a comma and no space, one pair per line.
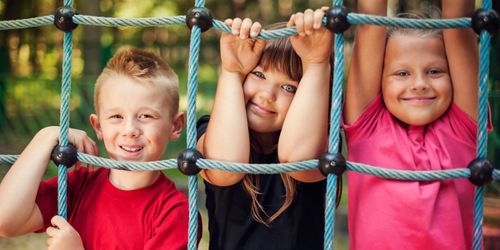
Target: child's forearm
20,185
462,54
304,131
227,136
367,61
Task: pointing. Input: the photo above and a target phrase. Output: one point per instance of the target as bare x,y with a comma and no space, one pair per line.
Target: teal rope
124,22
333,142
194,52
62,180
484,61
27,23
354,18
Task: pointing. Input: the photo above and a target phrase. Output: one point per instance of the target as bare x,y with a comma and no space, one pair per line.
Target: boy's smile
416,84
134,119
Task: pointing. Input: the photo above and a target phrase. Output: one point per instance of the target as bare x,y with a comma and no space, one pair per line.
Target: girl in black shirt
271,105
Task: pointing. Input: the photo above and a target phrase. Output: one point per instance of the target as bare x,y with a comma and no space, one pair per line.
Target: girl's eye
289,88
145,116
259,74
433,72
403,73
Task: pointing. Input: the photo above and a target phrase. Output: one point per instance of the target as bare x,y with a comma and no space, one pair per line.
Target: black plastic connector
63,19
336,19
186,161
64,155
481,171
485,20
332,164
199,16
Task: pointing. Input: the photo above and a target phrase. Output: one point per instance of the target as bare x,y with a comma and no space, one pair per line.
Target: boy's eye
289,88
116,116
259,74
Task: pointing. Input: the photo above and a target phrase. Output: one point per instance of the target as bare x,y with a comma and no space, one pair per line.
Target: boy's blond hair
145,68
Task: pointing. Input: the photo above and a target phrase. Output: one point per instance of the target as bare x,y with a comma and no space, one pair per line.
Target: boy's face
416,84
134,119
268,95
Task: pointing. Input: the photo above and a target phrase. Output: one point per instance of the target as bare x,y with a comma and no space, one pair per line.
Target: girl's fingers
318,18
245,28
308,21
228,22
235,27
299,23
291,22
255,30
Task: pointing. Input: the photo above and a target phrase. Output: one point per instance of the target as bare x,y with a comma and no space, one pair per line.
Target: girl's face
268,95
416,85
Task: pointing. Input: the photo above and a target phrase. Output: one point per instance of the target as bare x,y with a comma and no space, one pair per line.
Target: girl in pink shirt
411,103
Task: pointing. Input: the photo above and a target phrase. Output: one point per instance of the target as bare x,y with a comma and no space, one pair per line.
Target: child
136,105
412,108
270,106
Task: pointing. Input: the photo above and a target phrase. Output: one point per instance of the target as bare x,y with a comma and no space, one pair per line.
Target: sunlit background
30,76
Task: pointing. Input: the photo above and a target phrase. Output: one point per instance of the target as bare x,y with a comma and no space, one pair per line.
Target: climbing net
480,171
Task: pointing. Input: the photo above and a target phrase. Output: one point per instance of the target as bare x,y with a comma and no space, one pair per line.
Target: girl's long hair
278,55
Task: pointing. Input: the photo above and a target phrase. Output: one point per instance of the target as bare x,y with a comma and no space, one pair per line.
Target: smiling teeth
131,149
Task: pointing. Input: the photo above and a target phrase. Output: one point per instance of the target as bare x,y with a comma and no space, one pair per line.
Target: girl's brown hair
278,55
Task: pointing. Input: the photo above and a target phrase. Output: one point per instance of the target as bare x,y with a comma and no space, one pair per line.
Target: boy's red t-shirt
153,217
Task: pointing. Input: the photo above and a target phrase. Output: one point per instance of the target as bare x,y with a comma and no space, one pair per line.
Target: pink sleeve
367,122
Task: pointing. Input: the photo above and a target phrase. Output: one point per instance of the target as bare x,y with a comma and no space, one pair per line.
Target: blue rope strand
194,50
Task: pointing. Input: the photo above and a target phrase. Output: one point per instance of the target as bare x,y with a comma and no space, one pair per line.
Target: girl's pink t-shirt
391,214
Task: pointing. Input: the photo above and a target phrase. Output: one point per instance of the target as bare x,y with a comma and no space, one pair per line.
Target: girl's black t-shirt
232,226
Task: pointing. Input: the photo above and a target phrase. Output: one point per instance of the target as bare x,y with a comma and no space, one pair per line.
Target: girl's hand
62,235
240,52
313,43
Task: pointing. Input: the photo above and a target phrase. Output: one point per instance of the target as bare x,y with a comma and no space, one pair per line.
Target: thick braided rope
354,18
64,117
484,61
192,89
128,22
27,23
266,35
333,137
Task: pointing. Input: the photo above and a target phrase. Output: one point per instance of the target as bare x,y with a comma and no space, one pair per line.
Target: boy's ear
177,126
94,121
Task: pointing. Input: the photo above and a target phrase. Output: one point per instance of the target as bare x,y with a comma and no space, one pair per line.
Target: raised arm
227,135
305,130
19,213
367,62
462,55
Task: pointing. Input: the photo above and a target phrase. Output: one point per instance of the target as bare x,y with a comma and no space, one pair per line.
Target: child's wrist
306,66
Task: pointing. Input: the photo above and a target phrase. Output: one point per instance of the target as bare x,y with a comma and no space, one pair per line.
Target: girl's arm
462,54
227,136
19,214
367,61
305,129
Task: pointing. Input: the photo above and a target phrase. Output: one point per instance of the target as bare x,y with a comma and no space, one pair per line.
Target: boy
136,104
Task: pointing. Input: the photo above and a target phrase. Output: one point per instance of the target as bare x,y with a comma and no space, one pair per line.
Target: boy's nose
131,129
